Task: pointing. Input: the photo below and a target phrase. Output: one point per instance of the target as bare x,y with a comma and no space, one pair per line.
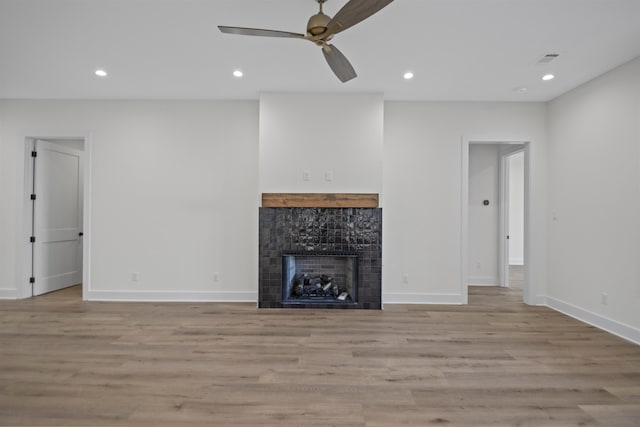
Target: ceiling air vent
548,58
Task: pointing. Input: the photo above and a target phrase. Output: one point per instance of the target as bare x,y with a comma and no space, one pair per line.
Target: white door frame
464,214
25,254
503,219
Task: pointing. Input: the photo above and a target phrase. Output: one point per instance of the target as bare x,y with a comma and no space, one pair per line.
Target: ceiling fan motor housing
317,24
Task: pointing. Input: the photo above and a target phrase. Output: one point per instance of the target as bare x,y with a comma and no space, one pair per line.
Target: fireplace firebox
319,277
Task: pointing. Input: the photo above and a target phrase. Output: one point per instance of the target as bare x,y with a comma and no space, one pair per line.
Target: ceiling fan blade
259,32
339,63
353,12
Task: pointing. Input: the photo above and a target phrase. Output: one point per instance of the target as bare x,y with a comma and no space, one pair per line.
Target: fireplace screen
320,277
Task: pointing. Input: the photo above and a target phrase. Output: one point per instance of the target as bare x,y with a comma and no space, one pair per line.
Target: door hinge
32,280
33,197
32,239
34,153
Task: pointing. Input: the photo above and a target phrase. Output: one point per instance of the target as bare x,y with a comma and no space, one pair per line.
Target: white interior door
504,221
511,211
516,209
57,221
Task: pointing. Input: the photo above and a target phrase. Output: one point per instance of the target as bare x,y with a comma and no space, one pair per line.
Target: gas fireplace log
321,287
316,281
299,279
325,282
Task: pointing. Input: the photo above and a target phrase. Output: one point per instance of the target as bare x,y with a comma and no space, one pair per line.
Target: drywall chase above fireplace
326,227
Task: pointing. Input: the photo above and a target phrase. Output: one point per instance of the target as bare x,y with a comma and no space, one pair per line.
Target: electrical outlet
328,176
135,276
216,277
405,278
306,175
478,265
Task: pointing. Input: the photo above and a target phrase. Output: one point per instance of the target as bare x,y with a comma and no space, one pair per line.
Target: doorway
55,213
485,224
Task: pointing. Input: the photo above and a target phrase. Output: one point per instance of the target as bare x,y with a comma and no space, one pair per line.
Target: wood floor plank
531,416
615,415
493,362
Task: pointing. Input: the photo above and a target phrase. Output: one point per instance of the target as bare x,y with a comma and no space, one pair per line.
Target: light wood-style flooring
495,362
516,276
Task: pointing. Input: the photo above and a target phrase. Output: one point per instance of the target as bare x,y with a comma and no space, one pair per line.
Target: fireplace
319,277
320,257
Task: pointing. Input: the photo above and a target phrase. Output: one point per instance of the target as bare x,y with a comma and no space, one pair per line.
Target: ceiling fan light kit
321,29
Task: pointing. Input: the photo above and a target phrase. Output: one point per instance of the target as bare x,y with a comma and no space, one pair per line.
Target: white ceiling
473,50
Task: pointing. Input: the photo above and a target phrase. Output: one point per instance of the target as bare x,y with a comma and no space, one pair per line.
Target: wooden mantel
319,200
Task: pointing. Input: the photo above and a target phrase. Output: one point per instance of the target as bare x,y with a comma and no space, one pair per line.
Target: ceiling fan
321,29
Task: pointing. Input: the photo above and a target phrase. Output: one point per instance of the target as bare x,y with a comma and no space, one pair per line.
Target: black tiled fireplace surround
357,230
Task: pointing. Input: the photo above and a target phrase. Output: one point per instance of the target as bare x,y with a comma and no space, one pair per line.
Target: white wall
174,196
516,209
422,190
320,133
595,201
7,235
176,185
76,144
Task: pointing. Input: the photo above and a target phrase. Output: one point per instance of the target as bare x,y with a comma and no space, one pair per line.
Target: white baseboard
539,300
483,281
516,261
171,296
8,294
622,330
409,298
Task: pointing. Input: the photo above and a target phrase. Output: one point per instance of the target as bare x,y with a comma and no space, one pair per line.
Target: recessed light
408,75
548,77
238,73
101,73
